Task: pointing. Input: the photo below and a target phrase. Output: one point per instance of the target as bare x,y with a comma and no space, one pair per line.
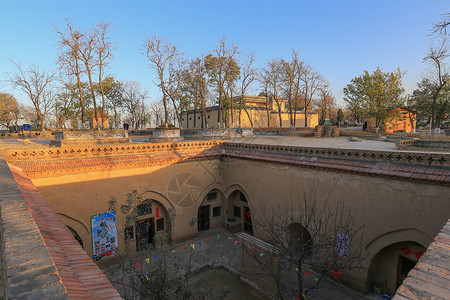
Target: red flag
418,254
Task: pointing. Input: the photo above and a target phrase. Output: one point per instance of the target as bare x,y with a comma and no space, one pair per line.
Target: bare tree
160,53
305,235
88,57
37,85
247,77
438,75
175,82
271,78
232,71
325,103
69,59
104,49
311,81
132,100
158,113
197,86
440,28
218,65
291,72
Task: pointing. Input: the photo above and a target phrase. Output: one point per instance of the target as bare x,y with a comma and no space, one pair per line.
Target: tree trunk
93,95
41,120
232,111
220,108
195,116
204,112
103,98
240,108
279,113
300,281
249,117
81,92
306,118
176,112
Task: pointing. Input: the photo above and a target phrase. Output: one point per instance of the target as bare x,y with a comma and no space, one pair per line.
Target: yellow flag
147,260
193,246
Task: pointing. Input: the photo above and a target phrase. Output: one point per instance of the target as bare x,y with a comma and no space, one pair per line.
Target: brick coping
430,277
80,276
404,166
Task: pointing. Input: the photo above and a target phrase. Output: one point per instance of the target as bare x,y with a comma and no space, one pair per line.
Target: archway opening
211,213
76,236
240,210
150,226
299,240
390,266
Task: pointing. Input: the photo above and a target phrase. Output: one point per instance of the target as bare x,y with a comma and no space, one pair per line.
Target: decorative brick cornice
414,166
54,167
421,173
110,150
409,157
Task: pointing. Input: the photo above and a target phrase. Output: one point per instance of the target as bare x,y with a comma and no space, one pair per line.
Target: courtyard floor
218,248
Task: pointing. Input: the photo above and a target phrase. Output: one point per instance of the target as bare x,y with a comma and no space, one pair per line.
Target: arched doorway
211,212
76,236
300,241
391,265
151,225
239,208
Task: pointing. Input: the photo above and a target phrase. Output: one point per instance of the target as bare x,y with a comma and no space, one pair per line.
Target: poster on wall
342,245
104,235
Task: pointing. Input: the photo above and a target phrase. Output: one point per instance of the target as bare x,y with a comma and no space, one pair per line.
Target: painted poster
104,235
342,245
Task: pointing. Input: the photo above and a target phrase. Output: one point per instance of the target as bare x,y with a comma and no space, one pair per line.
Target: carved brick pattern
424,167
430,174
118,149
47,168
438,159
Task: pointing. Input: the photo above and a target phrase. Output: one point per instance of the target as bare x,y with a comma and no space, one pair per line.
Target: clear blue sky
339,38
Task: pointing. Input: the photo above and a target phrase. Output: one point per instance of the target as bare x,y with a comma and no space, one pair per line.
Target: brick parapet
58,267
422,158
413,166
430,277
24,275
102,150
54,167
420,173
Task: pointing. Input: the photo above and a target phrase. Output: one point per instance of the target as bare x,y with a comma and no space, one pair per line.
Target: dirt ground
220,282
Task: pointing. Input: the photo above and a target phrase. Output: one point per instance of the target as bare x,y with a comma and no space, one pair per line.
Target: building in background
257,112
401,119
